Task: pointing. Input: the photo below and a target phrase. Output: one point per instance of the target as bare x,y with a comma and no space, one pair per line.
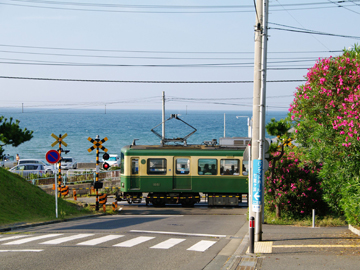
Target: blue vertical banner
257,185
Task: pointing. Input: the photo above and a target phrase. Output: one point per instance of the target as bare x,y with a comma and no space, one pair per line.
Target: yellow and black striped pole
97,144
97,174
59,163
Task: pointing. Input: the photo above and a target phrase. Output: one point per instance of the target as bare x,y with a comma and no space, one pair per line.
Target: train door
134,175
182,176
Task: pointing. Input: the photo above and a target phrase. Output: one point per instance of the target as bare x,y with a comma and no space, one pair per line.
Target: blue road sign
257,185
52,156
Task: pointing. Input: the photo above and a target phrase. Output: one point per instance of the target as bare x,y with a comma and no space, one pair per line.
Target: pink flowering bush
292,187
326,113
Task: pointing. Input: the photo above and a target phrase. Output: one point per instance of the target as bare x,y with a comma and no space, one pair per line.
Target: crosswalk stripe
134,242
168,243
202,245
66,239
13,237
100,240
29,239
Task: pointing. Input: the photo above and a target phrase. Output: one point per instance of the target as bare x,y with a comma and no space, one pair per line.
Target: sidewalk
289,247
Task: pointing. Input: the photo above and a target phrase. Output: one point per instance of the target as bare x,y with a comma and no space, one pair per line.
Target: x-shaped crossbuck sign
97,144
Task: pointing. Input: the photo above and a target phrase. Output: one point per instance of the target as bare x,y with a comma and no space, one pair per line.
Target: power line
155,52
135,8
138,81
343,6
313,32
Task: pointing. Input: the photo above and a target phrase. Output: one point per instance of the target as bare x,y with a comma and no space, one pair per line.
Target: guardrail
75,177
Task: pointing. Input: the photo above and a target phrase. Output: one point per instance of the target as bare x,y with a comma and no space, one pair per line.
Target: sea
121,127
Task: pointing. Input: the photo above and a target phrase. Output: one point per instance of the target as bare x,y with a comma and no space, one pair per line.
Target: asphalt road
138,237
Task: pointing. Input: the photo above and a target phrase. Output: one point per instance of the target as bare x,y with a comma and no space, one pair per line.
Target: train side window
182,166
207,167
229,167
135,166
156,166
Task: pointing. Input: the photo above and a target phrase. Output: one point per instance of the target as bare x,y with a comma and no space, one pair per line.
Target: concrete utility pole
263,98
258,129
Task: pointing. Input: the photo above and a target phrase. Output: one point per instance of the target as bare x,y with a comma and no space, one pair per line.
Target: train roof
181,150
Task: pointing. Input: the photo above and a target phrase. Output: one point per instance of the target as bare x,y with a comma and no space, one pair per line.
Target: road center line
179,233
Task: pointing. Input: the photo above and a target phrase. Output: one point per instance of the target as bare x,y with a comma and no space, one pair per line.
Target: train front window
229,167
207,167
156,166
122,163
182,166
135,166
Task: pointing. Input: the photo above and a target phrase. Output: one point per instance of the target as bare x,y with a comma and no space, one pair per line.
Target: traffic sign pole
56,193
53,157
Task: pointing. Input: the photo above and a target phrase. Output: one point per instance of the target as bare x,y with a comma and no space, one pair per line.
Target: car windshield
112,159
46,163
67,159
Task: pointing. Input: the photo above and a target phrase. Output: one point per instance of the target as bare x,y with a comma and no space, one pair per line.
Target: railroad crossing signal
59,139
97,144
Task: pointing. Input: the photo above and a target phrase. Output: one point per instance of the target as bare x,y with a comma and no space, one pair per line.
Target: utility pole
255,205
263,97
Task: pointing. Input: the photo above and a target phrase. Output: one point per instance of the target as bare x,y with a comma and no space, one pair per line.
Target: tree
12,134
326,113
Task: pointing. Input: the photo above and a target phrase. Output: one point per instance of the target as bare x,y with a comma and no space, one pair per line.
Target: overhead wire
142,81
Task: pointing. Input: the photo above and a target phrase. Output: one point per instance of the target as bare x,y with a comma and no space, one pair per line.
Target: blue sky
160,41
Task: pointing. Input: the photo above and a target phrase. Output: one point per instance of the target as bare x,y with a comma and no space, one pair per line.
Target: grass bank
22,202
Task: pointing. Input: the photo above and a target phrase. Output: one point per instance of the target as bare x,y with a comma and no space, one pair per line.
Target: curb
354,230
12,228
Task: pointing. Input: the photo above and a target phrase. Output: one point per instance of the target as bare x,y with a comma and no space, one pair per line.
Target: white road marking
168,243
179,233
22,250
66,239
29,239
13,237
202,245
100,240
134,242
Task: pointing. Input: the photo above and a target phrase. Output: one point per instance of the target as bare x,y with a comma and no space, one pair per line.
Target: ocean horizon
121,127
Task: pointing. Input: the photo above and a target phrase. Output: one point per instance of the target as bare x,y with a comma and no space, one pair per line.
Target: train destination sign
52,156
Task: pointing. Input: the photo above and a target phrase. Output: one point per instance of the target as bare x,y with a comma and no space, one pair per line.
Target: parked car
68,163
113,161
8,162
47,167
26,169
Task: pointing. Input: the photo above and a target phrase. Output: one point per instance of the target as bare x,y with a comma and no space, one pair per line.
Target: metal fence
76,177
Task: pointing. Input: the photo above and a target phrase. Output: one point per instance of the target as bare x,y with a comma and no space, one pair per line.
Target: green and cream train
172,174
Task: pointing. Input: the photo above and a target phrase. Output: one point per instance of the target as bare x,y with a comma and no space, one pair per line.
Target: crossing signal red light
106,166
106,156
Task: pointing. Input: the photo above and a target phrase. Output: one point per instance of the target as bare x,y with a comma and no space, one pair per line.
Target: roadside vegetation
323,171
22,202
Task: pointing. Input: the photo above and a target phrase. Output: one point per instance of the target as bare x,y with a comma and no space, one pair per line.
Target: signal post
59,140
97,144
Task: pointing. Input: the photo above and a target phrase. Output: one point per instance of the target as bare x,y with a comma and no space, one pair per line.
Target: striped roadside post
97,144
60,141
